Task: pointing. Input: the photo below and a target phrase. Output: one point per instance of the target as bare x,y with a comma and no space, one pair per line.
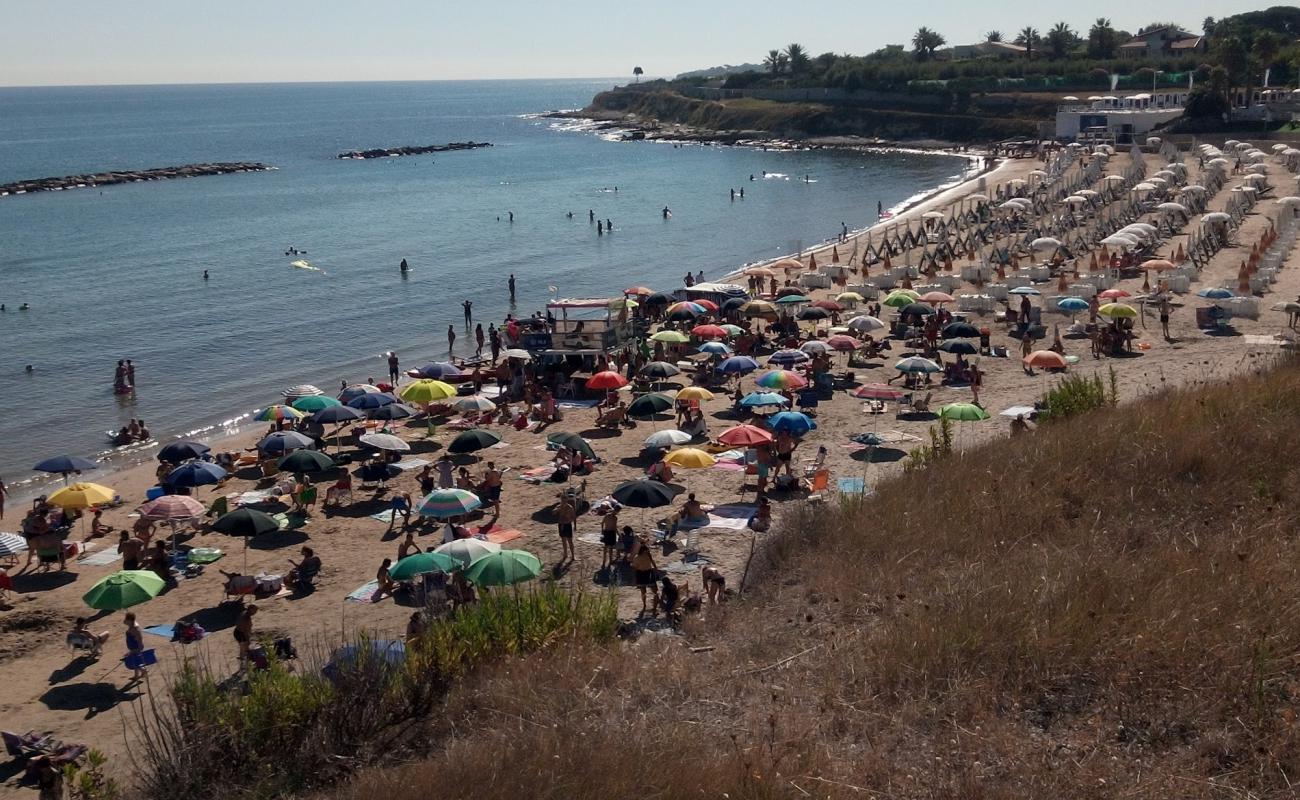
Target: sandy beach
49,689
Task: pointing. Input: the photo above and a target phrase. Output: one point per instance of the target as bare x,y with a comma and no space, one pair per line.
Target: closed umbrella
385,441
305,461
447,503
123,589
472,441
180,452
195,473
467,551
504,568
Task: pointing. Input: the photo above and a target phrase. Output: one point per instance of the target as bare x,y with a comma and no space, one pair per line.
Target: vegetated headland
418,150
129,176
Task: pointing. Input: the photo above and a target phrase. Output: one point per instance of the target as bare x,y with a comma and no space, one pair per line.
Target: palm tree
925,42
1059,40
1028,38
637,72
797,57
774,62
993,36
1102,41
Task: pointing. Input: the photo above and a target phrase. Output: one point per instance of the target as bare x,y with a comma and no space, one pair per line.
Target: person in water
205,274
402,266
667,212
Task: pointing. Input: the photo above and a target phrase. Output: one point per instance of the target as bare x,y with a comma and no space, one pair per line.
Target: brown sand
47,689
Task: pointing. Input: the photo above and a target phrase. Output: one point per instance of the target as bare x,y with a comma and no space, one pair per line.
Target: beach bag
187,632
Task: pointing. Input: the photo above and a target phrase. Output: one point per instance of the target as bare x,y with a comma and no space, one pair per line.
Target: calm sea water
117,273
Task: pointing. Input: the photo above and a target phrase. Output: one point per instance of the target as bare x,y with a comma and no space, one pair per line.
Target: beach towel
590,538
364,594
411,463
497,535
851,485
100,558
687,567
254,497
578,403
537,475
733,517
289,522
385,516
165,631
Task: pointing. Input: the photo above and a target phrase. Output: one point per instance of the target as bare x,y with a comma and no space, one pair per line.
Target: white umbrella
865,324
1114,179
1088,192
1045,243
668,438
384,441
1075,199
467,551
1217,216
979,198
1279,146
932,215
1194,188
1288,201
1119,240
302,390
1144,187
475,403
1172,208
815,347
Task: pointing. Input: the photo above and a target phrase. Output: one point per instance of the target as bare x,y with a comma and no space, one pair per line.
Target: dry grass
1105,608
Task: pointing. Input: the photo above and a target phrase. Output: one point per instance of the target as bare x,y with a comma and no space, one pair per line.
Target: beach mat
589,538
499,536
165,631
578,403
385,516
687,567
289,522
100,558
364,593
412,463
851,485
732,517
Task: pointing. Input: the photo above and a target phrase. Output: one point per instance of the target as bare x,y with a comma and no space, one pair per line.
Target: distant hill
722,71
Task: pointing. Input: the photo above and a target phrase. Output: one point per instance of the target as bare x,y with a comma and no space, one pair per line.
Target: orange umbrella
1159,265
1046,359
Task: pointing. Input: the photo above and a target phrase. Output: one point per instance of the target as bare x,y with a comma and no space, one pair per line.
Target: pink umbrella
172,507
936,298
845,344
709,332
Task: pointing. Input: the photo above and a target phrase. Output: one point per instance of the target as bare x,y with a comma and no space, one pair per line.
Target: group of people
133,431
124,377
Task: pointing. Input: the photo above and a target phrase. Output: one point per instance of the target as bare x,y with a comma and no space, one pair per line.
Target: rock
412,151
129,176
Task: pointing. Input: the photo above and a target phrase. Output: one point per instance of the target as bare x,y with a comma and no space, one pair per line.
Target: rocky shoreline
412,151
133,176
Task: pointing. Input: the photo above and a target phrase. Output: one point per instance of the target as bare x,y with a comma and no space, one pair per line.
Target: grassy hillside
1105,608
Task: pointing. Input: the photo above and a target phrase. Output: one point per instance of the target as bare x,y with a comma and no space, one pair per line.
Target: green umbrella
422,563
472,440
572,441
305,461
314,403
129,587
963,412
504,568
647,405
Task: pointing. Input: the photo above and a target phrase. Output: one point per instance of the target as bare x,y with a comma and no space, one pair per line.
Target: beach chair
83,643
922,406
819,485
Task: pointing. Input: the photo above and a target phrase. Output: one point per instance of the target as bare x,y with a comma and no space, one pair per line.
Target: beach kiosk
584,329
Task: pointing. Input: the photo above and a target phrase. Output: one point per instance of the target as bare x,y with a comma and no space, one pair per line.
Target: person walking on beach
511,284
468,305
244,633
451,339
478,338
392,367
565,514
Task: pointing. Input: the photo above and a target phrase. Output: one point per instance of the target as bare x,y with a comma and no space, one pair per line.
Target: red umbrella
709,305
639,291
709,332
606,380
1113,294
878,391
744,436
844,344
829,305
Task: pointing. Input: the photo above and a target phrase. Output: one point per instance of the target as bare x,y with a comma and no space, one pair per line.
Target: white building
1118,119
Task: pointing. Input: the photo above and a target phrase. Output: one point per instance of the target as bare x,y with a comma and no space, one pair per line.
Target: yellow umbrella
1118,311
81,495
849,297
426,391
695,393
690,458
670,337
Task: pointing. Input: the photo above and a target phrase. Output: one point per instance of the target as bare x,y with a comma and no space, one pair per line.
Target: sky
86,42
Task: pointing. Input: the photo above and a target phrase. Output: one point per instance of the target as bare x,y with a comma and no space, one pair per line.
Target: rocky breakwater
132,176
393,152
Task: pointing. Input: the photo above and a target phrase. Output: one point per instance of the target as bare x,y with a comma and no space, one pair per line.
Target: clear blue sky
182,41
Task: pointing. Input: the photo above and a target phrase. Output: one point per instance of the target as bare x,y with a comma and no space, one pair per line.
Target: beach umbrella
1289,307
638,291
917,365
1159,265
758,308
761,399
960,330
958,347
467,551
1217,217
878,391
744,436
572,441
414,566
849,297
708,332
302,390
792,422
1025,291
384,441
963,412
472,441
707,305
733,304
759,272
391,412
305,461
282,442
659,369
815,347
337,414
647,405
669,438
670,337
355,390
314,402
245,522
447,503
606,380
438,371
643,493
932,215
916,310
81,495
789,291
787,358
1045,359
426,391
792,300
901,298
1215,293
737,365
475,402
11,544
1072,305
685,310
65,465
715,349
182,451
829,305
698,393
373,400
277,413
936,298
1113,294
123,589
172,507
690,458
732,330
1118,311
1172,208
386,654
865,324
1045,243
781,379
843,344
504,568
814,314
195,473
658,299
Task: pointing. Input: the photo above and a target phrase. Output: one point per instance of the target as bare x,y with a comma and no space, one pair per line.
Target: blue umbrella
1025,290
65,464
791,422
1072,305
195,473
337,414
439,370
1215,293
756,399
788,357
715,349
737,365
182,451
373,400
281,442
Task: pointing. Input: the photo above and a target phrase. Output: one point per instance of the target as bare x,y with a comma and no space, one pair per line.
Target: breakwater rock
129,176
413,151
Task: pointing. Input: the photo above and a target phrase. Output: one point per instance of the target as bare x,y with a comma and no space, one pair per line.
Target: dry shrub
1107,607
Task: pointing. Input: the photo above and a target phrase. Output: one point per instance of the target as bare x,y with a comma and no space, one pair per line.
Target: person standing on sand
134,644
451,339
244,633
4,492
1164,317
1027,347
565,514
511,284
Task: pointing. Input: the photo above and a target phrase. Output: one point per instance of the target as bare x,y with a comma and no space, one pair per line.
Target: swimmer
402,266
24,307
29,369
667,212
205,274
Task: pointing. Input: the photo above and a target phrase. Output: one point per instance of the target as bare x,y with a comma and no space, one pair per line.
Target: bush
1076,395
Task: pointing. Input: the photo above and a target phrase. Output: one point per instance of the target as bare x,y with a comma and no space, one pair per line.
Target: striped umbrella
354,391
781,379
277,413
172,506
787,357
445,503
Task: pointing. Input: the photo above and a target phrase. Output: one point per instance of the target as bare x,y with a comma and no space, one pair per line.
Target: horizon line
304,83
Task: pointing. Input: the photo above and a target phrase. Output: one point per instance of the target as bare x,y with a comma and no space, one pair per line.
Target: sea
117,272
